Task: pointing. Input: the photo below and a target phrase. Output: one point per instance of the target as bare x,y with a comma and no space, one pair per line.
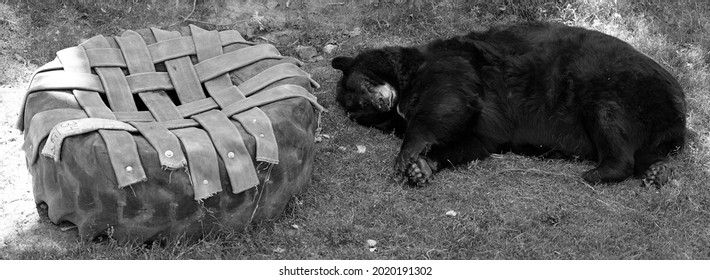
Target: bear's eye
369,86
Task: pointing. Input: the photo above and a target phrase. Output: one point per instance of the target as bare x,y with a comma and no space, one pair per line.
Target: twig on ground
215,24
194,4
8,21
550,173
269,168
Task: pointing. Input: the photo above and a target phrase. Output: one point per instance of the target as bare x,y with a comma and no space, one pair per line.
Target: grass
508,206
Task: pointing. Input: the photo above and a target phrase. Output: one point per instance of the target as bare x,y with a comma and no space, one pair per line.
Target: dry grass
509,206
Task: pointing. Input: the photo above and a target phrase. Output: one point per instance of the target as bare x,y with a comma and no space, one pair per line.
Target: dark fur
531,88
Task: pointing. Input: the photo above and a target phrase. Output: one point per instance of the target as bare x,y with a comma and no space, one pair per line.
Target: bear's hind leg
611,169
610,133
652,163
657,175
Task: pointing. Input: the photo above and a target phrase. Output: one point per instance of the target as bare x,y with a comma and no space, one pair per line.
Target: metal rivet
261,135
72,123
64,125
169,153
230,155
129,169
205,182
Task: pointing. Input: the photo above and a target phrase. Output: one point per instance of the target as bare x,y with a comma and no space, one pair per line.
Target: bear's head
368,89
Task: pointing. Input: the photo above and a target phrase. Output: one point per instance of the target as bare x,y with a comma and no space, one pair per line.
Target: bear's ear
342,63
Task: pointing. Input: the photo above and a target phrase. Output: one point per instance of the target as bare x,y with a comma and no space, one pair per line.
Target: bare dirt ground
21,224
18,212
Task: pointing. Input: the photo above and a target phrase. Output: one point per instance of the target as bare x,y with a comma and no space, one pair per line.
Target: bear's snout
384,97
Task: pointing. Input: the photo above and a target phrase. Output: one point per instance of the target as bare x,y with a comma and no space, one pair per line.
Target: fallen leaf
361,149
67,228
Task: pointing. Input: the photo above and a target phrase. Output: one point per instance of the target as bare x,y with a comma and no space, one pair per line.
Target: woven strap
178,92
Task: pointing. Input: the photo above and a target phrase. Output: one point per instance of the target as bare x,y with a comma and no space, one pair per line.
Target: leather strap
64,129
138,61
269,96
272,75
164,142
202,162
106,57
258,124
215,66
121,147
230,147
62,80
117,90
40,126
182,72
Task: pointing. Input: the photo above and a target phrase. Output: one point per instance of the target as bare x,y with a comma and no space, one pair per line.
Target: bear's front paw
402,162
417,170
419,173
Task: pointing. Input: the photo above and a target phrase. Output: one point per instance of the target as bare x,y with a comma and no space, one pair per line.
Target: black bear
532,88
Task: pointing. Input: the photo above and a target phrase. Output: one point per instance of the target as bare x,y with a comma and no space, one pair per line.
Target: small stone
20,58
326,136
279,250
330,48
451,213
306,52
355,32
295,226
271,4
342,148
371,243
373,249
